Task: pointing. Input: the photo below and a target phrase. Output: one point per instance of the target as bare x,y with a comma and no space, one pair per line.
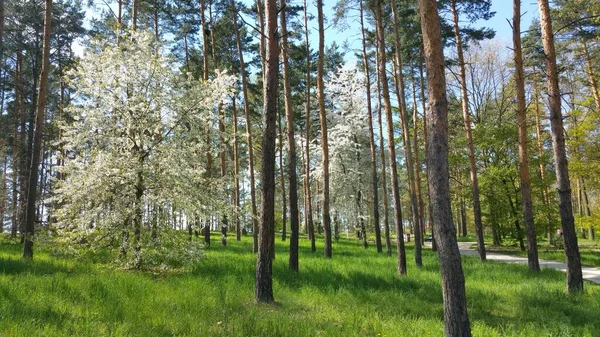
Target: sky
351,35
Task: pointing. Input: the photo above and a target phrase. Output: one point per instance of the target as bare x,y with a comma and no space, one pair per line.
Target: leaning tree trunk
532,253
292,161
453,282
323,119
248,128
390,134
470,145
574,275
264,261
37,140
373,149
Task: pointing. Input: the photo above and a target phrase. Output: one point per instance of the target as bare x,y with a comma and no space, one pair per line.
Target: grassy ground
357,293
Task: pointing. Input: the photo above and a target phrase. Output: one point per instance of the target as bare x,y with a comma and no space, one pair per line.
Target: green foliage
356,294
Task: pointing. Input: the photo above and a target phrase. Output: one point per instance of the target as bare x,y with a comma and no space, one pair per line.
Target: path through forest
589,273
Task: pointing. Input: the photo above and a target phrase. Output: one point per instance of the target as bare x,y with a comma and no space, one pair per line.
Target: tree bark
292,160
324,140
574,275
38,135
453,283
470,145
532,253
264,261
417,163
248,128
372,147
390,135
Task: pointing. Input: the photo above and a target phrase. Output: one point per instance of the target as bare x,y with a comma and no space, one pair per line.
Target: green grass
357,293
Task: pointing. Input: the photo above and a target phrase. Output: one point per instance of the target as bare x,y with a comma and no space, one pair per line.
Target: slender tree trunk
453,282
248,128
390,135
3,194
426,146
291,141
470,145
384,189
532,253
417,163
17,151
205,53
588,211
134,14
236,172
373,149
264,281
323,119
309,215
400,96
37,140
282,180
574,275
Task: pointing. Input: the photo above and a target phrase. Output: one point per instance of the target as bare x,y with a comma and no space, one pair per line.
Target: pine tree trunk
372,147
291,141
37,140
384,189
390,135
248,128
400,96
453,283
417,163
282,181
324,140
590,74
264,280
236,173
532,253
17,144
308,202
574,275
588,211
470,145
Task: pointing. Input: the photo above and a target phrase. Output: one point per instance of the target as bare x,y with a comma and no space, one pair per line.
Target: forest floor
357,293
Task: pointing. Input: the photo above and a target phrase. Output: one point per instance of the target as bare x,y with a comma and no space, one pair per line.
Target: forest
294,149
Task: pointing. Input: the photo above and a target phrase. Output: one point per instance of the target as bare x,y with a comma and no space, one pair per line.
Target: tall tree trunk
400,96
236,172
291,141
323,119
390,135
248,128
426,146
264,280
17,181
470,145
282,180
308,208
532,253
417,164
205,54
373,149
134,14
3,193
574,275
37,140
384,189
453,282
